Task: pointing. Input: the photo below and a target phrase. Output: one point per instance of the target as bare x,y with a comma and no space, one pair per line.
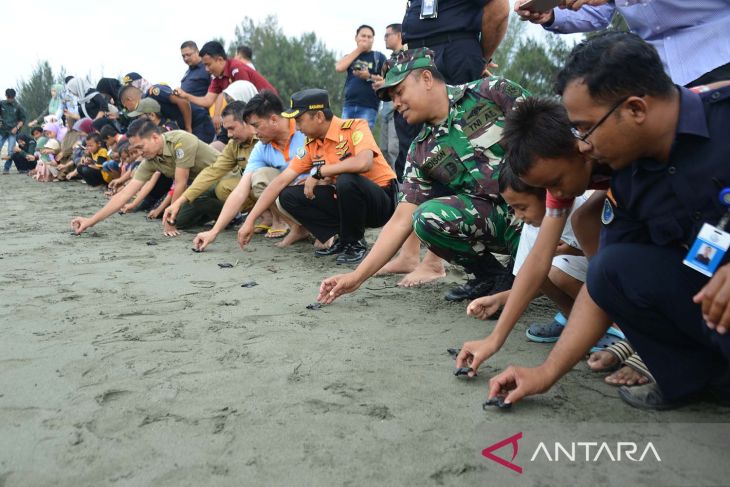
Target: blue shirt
359,92
202,125
691,37
453,16
266,155
666,203
196,80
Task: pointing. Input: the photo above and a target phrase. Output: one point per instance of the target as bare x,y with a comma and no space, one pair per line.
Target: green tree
35,92
291,63
531,62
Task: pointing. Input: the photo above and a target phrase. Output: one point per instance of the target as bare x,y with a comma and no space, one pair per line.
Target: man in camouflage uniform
450,195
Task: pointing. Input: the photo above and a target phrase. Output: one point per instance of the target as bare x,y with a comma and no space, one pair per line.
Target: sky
111,39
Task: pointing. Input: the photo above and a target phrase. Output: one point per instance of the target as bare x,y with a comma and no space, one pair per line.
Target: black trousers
91,174
406,133
159,191
648,291
22,163
346,208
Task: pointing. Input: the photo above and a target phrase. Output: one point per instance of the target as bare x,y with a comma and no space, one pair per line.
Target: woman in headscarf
53,130
109,87
92,104
239,91
55,106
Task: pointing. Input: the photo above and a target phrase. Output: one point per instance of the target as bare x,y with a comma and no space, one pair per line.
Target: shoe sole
629,399
539,339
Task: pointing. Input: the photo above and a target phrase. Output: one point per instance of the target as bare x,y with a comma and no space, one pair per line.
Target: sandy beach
126,359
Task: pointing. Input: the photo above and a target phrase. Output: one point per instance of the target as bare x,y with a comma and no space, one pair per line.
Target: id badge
708,250
429,9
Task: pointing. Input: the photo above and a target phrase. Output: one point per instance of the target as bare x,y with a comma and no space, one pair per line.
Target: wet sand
123,363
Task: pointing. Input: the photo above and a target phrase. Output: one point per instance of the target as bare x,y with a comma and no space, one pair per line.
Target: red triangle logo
512,440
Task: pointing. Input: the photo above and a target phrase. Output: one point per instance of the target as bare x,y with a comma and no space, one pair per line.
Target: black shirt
95,105
196,80
666,203
453,16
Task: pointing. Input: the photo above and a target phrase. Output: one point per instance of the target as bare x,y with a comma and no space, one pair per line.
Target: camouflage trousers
466,231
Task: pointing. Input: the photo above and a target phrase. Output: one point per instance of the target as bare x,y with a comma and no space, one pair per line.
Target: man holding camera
363,67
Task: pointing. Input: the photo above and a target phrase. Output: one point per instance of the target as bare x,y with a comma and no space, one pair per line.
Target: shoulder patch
347,124
357,137
607,213
301,152
155,90
179,153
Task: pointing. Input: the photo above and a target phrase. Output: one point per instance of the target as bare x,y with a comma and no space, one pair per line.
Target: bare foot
626,376
601,361
401,264
296,234
423,273
321,246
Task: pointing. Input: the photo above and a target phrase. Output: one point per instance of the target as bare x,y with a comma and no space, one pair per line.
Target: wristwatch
318,172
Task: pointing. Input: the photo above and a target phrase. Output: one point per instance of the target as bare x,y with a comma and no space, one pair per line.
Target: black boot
471,289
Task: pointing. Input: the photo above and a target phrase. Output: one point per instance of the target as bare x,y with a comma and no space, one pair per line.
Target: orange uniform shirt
344,139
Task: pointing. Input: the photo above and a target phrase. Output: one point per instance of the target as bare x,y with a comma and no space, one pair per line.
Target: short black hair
395,27
245,51
36,129
67,79
10,93
143,128
213,49
434,72
96,137
616,65
537,127
264,104
236,110
100,123
190,44
509,180
364,26
108,131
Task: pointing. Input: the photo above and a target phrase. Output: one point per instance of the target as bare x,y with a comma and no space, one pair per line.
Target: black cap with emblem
307,100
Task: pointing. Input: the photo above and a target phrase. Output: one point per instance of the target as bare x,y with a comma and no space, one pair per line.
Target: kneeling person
205,197
352,187
450,196
279,142
175,154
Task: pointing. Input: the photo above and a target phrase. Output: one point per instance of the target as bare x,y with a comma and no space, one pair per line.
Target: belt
442,39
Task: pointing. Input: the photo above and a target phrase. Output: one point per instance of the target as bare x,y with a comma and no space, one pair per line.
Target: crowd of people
605,199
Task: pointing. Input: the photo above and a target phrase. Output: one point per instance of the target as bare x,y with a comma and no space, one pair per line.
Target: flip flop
622,350
634,362
261,228
277,233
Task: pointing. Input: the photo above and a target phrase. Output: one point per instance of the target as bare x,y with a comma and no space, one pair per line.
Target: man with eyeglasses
669,150
196,79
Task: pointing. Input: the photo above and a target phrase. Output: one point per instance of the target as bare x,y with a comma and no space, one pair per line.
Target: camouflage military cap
397,68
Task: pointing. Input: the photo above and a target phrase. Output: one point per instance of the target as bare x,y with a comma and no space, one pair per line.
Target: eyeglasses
583,137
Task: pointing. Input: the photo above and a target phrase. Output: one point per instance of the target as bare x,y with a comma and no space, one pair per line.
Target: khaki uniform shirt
233,158
179,149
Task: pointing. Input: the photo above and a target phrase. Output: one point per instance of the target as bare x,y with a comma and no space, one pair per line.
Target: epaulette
347,124
308,140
